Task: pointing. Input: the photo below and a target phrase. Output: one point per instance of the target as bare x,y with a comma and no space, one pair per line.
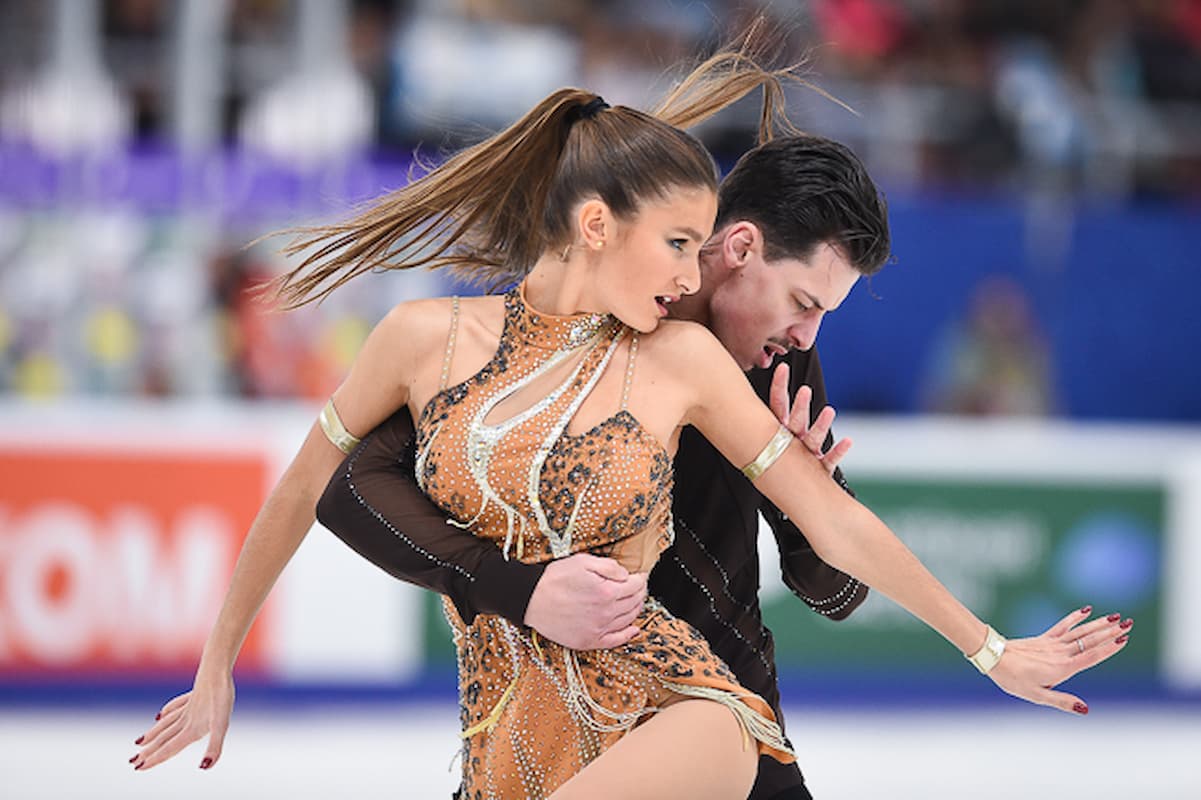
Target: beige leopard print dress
535,713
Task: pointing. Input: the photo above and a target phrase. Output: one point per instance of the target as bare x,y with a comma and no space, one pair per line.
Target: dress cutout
535,713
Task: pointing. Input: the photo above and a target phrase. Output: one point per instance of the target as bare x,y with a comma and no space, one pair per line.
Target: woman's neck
562,288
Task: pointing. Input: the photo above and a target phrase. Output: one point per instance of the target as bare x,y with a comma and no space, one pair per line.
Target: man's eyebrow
816,303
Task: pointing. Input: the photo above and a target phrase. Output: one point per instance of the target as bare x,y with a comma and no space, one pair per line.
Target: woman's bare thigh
693,748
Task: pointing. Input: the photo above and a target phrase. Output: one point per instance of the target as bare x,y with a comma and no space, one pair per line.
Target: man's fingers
778,395
625,609
578,598
835,454
632,589
816,437
798,419
617,638
607,568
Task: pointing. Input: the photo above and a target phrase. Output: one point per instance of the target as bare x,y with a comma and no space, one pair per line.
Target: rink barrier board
119,525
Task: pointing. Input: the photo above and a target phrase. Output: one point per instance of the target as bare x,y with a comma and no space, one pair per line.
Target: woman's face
654,258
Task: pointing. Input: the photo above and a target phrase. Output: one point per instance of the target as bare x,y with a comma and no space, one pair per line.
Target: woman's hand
184,719
1030,668
794,415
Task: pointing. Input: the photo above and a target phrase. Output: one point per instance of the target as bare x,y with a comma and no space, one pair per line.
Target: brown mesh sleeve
373,504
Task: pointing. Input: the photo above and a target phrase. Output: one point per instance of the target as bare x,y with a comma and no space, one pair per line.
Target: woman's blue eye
678,243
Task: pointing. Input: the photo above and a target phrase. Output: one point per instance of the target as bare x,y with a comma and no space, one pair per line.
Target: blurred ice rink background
1022,385
405,751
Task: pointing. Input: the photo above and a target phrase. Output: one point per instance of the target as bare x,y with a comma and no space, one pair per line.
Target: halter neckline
553,331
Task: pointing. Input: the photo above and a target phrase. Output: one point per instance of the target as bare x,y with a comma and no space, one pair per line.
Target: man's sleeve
826,590
374,505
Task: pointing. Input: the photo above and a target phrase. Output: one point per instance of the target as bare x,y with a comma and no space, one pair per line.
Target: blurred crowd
1106,93
1055,97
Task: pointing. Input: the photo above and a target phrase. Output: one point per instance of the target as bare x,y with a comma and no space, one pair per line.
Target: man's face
763,310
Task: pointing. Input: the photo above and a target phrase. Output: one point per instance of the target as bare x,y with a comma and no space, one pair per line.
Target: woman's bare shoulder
487,311
693,361
682,345
429,318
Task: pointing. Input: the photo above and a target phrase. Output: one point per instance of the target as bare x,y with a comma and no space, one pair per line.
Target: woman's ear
595,224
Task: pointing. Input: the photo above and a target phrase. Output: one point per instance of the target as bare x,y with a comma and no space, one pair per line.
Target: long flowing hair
491,210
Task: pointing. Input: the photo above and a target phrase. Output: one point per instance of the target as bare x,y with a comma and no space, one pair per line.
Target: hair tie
588,110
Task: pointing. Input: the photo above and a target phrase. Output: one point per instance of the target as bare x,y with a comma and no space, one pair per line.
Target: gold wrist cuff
774,449
335,431
987,656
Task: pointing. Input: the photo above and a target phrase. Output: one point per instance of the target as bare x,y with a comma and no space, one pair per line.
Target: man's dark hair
805,190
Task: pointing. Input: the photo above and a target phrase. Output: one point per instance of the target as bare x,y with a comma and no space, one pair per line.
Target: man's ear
740,241
595,225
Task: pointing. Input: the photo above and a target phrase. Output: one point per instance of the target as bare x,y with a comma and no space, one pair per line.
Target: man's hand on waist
586,602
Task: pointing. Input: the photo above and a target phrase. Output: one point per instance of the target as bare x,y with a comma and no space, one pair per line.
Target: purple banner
230,184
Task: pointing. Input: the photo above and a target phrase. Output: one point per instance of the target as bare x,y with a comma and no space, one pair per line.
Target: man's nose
804,333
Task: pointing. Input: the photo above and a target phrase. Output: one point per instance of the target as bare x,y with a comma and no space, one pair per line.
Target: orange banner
118,562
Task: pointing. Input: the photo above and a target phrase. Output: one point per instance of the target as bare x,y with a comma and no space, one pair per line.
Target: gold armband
987,656
774,449
335,431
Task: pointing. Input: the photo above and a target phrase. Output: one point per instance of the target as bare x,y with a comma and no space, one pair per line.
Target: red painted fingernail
1113,617
1122,639
158,716
139,740
139,765
1086,610
1080,708
1126,624
133,758
206,763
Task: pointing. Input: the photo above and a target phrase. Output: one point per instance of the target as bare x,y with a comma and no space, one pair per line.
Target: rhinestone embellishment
585,328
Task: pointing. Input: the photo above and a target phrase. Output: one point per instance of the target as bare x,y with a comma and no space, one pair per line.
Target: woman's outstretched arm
848,536
797,397
378,384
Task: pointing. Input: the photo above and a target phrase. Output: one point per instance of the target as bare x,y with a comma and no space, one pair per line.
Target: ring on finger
1080,644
